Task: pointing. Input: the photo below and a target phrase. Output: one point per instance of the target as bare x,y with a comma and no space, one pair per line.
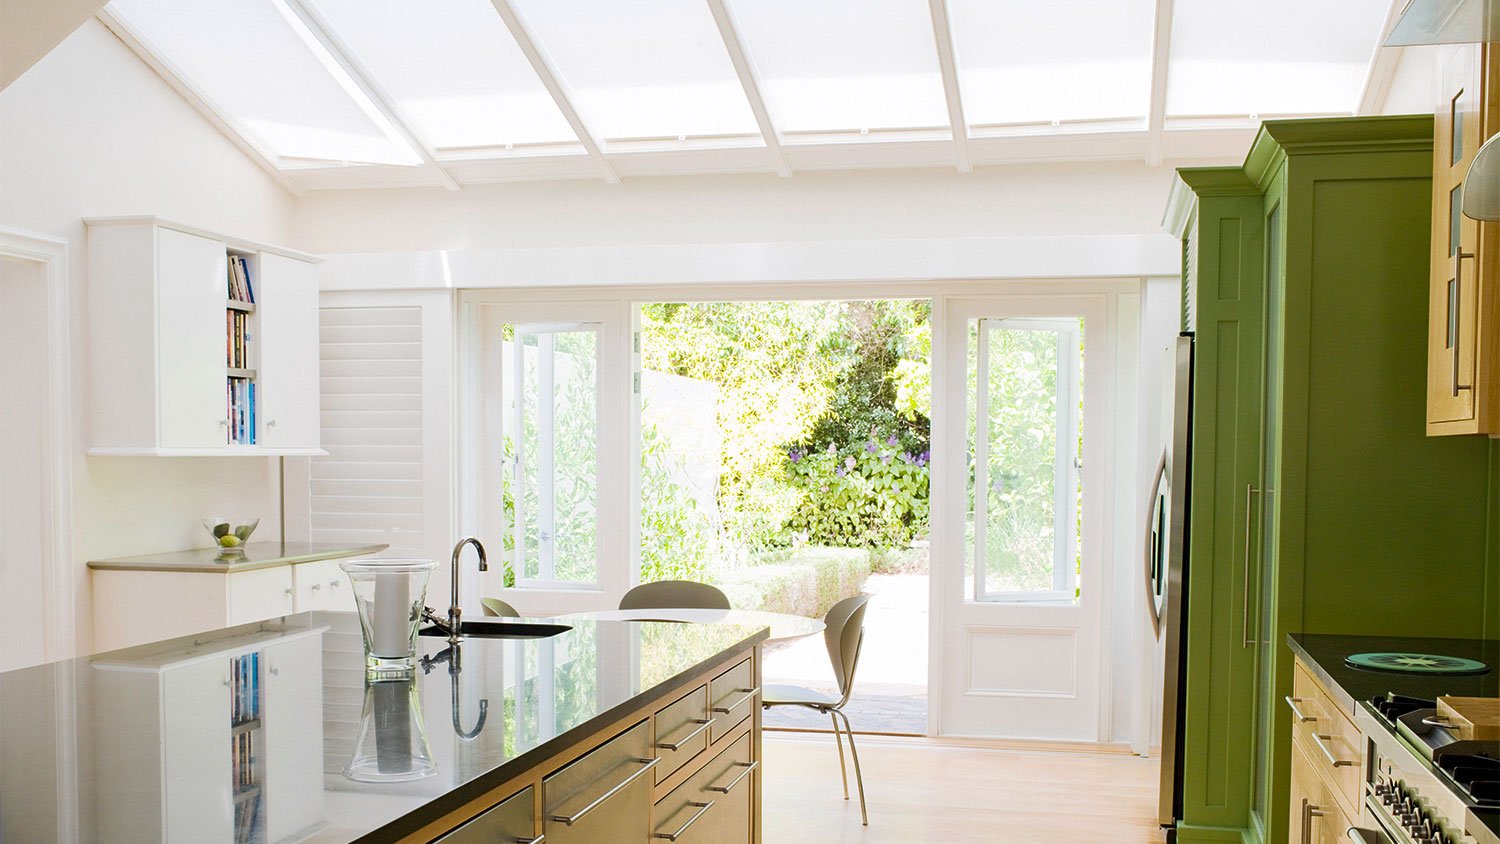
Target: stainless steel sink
492,628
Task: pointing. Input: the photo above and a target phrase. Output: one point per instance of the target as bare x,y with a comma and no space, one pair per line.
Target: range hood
1446,22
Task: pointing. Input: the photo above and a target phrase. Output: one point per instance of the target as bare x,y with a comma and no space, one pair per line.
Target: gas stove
1424,785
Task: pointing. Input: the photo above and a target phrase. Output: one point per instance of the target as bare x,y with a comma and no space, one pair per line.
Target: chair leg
859,778
843,772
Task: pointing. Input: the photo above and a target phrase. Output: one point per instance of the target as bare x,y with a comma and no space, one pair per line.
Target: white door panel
287,389
1018,629
191,287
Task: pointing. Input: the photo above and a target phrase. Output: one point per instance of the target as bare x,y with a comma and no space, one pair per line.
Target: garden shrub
807,581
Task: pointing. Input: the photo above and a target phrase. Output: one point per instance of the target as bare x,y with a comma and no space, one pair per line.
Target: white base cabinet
163,327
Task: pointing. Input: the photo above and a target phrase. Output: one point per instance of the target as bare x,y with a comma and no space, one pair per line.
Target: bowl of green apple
230,535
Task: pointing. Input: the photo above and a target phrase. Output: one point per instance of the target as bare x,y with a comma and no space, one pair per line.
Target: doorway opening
785,458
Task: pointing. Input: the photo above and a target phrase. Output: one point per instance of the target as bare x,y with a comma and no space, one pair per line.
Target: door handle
703,808
1250,493
747,768
646,765
749,695
1149,549
1458,305
1297,712
1309,811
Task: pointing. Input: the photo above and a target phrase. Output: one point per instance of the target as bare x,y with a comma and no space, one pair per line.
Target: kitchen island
269,733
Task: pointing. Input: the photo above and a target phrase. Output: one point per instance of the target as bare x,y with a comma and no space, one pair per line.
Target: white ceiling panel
1241,57
844,65
257,63
454,70
643,68
1024,61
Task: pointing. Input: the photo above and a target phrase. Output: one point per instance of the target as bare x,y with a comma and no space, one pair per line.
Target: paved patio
890,687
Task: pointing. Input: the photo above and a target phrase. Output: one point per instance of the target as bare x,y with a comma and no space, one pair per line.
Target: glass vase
389,595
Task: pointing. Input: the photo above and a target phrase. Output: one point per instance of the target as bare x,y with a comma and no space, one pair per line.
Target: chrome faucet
455,612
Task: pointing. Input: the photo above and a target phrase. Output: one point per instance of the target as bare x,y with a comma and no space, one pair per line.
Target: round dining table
785,627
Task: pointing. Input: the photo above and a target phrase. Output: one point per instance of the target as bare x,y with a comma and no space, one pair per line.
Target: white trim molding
60,631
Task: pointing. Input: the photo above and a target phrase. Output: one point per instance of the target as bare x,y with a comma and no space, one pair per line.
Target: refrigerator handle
1149,546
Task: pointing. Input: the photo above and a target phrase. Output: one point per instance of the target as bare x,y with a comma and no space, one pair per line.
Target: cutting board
1473,718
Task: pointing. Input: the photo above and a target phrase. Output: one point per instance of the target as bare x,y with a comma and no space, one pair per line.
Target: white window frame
1066,465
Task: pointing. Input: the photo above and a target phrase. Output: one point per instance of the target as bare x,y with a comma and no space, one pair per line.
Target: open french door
553,435
1022,474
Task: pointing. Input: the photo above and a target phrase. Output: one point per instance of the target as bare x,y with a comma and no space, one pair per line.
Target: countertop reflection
269,732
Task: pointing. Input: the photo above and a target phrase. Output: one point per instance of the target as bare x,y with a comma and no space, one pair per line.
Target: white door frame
60,632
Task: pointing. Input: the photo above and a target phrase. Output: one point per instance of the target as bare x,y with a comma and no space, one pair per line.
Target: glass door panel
551,454
1026,452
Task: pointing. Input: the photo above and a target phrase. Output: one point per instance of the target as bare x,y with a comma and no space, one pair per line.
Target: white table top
784,626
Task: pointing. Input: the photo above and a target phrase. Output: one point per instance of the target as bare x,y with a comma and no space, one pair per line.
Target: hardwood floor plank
924,791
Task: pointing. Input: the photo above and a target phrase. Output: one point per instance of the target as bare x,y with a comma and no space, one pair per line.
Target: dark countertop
257,555
1324,654
76,739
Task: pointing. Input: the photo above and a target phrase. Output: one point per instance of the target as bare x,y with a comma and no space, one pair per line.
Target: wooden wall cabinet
1463,342
159,338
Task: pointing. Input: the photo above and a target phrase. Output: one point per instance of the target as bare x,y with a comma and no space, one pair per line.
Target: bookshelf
209,740
202,344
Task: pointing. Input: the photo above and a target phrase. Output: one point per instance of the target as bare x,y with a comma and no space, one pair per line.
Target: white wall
90,130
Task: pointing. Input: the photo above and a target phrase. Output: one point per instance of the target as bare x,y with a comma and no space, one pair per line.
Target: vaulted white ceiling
359,93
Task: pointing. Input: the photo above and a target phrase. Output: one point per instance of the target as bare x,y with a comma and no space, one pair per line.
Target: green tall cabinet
1317,502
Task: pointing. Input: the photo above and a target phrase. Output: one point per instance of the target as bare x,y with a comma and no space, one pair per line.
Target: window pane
551,453
249,59
643,68
1026,523
1241,57
1026,62
880,72
454,69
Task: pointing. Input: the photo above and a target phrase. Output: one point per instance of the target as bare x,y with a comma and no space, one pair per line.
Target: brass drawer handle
1328,754
1297,713
749,696
682,830
679,744
749,768
569,820
537,840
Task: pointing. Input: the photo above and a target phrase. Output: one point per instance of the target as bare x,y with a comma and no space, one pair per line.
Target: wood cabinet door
1454,283
288,383
191,287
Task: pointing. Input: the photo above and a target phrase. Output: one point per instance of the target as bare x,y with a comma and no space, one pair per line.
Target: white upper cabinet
200,344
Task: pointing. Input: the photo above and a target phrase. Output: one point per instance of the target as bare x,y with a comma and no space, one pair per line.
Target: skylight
257,62
1270,66
1022,61
643,68
843,65
453,69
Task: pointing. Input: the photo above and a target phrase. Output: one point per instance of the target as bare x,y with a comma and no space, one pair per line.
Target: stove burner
1474,766
1391,706
1409,663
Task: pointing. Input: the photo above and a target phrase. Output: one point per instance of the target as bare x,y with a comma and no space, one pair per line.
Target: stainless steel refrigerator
1166,561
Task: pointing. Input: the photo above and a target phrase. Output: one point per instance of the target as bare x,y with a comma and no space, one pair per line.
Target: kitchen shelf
233,305
236,372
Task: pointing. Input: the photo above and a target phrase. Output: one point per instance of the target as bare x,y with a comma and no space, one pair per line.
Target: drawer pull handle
749,768
682,830
749,696
569,820
1328,754
317,587
703,724
1296,712
537,840
1365,836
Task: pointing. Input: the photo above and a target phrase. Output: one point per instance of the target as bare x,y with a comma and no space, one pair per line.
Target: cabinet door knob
270,423
289,591
333,583
275,672
224,423
317,587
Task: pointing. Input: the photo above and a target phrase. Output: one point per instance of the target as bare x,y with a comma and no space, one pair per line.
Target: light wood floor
921,791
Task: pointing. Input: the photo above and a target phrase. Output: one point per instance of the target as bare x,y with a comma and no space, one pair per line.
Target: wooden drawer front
733,695
604,796
510,821
1329,738
1316,815
714,805
682,732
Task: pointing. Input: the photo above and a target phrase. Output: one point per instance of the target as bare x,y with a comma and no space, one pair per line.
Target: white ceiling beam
552,80
942,33
226,125
1161,61
744,68
1383,62
384,104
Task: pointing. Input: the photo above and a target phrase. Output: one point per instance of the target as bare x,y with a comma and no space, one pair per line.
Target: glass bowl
230,535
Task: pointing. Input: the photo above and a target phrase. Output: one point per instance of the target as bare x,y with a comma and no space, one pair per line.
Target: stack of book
240,289
241,409
237,332
244,719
